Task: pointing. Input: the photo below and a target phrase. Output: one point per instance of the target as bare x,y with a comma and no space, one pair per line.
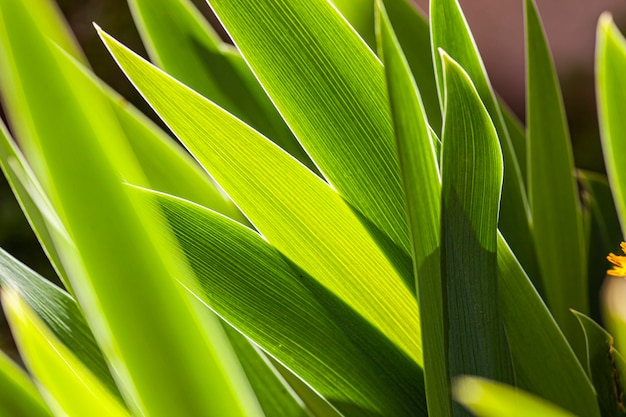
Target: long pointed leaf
611,87
552,191
422,184
413,34
544,362
317,231
181,42
60,313
115,246
471,172
304,326
67,385
450,32
330,88
32,199
273,392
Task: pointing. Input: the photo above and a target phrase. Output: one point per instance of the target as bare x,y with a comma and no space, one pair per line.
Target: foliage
357,226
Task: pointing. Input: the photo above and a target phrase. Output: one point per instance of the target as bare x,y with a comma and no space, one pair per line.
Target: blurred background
497,26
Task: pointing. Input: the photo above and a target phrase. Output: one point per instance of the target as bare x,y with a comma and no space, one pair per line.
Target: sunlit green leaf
611,86
68,386
32,199
60,313
18,394
113,261
422,184
490,399
330,88
181,42
273,392
552,190
413,34
318,231
360,14
304,326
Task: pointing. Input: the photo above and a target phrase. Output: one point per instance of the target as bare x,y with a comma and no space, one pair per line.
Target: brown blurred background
496,24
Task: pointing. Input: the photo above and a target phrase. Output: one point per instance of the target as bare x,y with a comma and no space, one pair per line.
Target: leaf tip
605,21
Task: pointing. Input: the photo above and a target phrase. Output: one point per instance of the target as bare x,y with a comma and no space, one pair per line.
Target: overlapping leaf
471,172
67,385
602,359
544,363
422,184
413,34
18,394
181,42
33,201
302,325
113,262
552,190
450,32
317,230
59,312
330,88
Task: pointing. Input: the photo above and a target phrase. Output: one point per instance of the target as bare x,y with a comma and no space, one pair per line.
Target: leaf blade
349,263
471,173
422,184
610,64
312,64
70,385
552,190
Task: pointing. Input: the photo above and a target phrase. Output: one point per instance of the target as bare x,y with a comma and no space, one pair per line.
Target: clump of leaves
358,226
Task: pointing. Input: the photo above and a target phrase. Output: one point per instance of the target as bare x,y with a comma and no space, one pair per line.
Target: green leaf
60,313
18,394
471,173
318,405
360,14
490,399
330,88
450,32
114,262
304,326
68,386
604,231
422,185
552,190
517,134
181,42
274,394
167,167
32,199
611,87
543,361
318,231
601,366
413,35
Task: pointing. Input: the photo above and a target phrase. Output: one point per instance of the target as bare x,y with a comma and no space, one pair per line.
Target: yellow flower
619,263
